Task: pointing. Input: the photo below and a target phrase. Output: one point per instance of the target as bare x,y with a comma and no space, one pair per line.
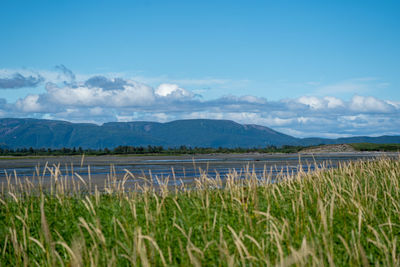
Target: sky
305,68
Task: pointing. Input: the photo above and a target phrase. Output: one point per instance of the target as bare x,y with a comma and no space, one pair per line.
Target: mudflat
187,166
8,162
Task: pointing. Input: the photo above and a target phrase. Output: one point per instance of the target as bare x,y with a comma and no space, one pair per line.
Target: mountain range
39,133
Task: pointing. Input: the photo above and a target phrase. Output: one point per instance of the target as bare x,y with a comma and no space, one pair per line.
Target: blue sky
307,68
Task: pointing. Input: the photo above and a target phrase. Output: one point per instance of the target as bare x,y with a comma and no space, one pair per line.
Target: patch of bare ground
329,149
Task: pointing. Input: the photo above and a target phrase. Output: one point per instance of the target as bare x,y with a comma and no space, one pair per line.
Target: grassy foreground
348,216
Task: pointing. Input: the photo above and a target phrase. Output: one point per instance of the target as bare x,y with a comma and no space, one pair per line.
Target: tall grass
349,216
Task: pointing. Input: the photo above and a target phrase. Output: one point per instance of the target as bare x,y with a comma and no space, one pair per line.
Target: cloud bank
101,98
18,80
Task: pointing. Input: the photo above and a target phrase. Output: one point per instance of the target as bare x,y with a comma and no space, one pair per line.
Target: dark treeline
122,150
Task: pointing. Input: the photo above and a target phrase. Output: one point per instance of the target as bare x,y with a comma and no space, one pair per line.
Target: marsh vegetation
346,216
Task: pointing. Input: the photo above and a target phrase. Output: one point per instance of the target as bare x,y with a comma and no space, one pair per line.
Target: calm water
183,168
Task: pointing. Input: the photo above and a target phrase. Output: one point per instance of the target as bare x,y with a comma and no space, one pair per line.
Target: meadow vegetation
348,216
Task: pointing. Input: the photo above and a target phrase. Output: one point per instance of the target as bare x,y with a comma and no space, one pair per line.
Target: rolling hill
37,133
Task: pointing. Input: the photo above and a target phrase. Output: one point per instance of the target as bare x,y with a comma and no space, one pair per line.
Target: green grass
348,216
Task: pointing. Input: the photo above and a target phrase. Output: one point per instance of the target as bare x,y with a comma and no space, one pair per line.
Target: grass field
349,216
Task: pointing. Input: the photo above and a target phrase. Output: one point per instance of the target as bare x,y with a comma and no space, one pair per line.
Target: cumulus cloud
333,102
304,116
103,98
312,102
29,104
18,80
316,103
105,83
370,104
172,91
132,94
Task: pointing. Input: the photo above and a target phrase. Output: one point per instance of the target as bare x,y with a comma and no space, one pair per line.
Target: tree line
141,150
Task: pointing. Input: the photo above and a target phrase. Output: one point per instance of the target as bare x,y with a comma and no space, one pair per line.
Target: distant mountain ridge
38,133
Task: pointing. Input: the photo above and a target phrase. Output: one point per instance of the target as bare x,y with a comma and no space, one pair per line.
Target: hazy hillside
35,133
202,133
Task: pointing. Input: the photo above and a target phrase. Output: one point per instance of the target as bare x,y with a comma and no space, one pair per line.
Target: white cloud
103,98
29,104
328,102
394,104
369,104
172,91
305,116
333,102
311,101
133,94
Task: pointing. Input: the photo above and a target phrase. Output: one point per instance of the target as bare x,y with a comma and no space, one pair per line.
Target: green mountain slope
17,133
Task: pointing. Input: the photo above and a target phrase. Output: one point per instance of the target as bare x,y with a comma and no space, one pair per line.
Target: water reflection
179,169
